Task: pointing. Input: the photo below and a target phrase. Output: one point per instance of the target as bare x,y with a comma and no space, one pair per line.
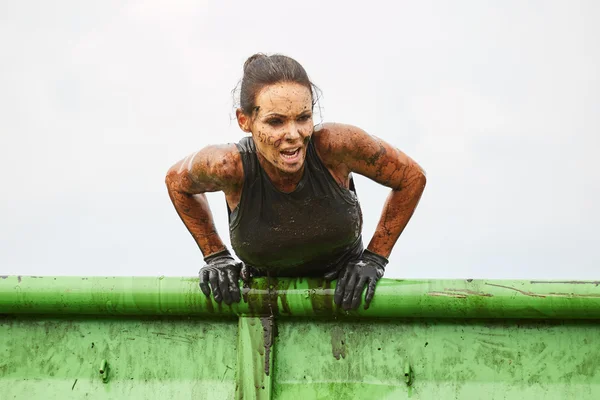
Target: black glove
366,270
223,274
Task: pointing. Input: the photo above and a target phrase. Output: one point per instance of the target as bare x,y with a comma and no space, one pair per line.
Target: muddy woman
293,208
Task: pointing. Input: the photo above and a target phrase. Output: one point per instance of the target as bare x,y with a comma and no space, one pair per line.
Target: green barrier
146,337
300,298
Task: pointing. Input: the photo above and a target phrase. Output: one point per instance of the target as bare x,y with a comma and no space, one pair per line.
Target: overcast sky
499,101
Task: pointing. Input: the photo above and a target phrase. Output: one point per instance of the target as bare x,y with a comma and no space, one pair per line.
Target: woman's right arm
212,169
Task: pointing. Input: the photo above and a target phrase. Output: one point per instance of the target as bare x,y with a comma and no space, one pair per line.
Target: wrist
374,257
222,253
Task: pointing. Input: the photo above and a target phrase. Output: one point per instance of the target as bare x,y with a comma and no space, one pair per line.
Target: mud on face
281,126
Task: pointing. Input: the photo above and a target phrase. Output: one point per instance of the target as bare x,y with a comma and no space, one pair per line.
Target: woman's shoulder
228,164
215,167
332,140
336,134
210,169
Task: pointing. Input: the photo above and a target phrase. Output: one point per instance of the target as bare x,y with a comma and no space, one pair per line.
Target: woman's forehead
284,98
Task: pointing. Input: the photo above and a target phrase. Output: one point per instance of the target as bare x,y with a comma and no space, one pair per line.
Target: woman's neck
282,181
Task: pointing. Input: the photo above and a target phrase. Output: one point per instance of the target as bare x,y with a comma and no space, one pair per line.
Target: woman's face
282,125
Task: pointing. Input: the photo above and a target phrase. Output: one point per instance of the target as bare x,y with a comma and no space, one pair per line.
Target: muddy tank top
308,232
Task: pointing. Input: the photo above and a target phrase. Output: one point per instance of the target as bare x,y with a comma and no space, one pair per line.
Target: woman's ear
243,120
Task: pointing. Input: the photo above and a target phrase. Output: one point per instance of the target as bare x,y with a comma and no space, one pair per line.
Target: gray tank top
308,232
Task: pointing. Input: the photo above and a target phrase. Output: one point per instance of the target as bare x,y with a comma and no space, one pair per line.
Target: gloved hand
366,270
222,271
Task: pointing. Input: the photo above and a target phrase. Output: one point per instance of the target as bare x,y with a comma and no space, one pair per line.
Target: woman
292,206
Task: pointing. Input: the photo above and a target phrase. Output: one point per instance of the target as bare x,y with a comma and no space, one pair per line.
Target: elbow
415,182
181,182
173,180
420,183
422,180
169,179
420,177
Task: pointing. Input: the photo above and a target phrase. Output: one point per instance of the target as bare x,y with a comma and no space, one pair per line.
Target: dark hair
261,70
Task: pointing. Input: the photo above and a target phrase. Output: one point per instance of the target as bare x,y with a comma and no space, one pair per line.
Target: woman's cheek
307,129
306,134
261,136
270,139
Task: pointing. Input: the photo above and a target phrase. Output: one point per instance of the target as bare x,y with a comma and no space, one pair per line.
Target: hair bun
261,70
253,58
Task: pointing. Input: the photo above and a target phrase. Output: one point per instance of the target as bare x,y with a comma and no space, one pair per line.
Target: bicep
211,169
378,160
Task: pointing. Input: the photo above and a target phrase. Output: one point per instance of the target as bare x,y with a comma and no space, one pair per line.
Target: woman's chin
290,169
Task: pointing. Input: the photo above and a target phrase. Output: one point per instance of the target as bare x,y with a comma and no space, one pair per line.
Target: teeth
289,154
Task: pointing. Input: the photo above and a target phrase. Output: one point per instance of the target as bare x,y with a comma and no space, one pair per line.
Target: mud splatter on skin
214,168
284,116
345,149
372,160
265,138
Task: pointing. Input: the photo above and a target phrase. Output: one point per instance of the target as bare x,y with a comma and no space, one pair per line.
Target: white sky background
499,101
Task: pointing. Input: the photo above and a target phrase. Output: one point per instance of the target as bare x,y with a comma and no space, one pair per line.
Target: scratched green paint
462,359
59,358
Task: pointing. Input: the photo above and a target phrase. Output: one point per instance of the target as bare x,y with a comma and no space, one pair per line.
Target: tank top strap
317,164
251,169
247,150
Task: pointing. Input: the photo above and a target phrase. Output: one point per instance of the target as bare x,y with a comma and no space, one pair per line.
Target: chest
340,175
286,232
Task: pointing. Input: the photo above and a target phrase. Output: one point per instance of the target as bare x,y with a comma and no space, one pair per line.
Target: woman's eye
274,122
304,118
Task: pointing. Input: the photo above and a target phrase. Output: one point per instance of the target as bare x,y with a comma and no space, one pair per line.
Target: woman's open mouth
291,156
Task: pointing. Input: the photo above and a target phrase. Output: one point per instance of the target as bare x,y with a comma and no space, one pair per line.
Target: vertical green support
255,358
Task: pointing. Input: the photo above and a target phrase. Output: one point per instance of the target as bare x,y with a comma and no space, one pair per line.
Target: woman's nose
293,132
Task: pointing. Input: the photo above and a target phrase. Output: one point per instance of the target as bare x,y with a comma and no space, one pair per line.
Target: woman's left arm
350,149
372,157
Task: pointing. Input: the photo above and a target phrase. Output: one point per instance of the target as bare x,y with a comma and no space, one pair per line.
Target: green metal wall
449,360
60,358
161,338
